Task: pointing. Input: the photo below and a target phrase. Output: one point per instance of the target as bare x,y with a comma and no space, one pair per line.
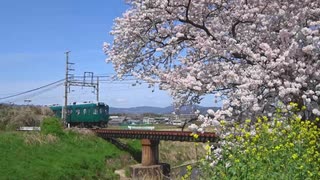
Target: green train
85,115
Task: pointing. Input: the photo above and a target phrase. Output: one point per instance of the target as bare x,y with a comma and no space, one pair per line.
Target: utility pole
66,85
71,81
97,88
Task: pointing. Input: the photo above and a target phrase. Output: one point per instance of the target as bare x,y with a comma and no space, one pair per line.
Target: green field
31,155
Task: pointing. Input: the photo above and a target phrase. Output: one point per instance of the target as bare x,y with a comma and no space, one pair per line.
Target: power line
36,93
25,92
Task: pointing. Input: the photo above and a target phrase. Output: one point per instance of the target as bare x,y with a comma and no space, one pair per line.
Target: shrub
52,125
271,148
12,117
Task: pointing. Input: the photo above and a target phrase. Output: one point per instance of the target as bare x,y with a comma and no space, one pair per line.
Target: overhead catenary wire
106,80
32,90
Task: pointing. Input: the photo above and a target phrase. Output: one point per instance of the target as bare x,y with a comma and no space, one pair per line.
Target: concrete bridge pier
150,168
150,152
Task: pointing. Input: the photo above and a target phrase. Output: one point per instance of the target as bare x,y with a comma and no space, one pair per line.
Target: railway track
156,135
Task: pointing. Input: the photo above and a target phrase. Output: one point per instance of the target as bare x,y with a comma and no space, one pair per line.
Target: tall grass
12,117
177,153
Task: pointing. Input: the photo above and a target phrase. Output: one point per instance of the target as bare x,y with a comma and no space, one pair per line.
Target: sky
35,35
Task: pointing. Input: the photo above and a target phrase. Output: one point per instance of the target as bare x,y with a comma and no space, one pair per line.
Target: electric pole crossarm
83,84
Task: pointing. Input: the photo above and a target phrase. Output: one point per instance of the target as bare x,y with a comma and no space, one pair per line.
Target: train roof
84,105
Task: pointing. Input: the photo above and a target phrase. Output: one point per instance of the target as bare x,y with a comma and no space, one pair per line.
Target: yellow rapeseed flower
278,124
222,122
239,138
207,147
265,118
195,136
247,135
254,150
259,120
295,156
310,173
312,142
189,167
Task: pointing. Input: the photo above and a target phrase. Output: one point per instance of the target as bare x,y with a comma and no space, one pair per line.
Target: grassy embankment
58,154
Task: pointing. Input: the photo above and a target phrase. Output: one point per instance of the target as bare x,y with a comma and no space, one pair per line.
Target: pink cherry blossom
255,54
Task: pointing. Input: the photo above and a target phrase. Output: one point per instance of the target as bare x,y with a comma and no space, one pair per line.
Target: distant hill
158,110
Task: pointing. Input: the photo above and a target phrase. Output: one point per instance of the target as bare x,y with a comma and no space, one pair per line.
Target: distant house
177,123
162,120
117,120
148,120
134,121
179,120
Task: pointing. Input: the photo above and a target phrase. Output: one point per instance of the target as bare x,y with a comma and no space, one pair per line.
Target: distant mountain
158,110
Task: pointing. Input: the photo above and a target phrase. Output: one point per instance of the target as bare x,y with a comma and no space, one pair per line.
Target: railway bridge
150,142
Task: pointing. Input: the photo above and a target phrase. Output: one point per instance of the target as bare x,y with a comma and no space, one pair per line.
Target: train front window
84,111
101,111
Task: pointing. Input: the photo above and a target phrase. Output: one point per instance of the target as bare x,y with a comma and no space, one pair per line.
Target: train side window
101,111
84,111
78,111
95,111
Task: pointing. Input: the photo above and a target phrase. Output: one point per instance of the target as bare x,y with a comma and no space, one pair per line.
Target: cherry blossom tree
253,54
